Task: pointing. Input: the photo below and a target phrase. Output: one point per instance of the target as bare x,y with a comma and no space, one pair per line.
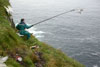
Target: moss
28,62
12,63
2,9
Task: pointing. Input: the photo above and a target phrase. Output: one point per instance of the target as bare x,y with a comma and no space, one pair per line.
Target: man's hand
32,25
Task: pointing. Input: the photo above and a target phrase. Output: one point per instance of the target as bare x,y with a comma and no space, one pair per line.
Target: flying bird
80,11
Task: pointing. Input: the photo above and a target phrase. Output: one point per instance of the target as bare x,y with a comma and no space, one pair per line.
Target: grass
14,64
11,44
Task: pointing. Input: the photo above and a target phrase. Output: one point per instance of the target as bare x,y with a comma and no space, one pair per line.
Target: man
22,26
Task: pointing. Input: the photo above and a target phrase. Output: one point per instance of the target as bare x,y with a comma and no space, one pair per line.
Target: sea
76,33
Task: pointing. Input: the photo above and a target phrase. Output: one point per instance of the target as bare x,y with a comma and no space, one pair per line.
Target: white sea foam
33,30
96,53
38,34
95,66
78,54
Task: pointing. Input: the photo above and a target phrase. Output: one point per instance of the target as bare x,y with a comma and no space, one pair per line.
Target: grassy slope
11,43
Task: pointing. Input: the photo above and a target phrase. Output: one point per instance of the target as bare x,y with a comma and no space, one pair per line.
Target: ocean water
78,35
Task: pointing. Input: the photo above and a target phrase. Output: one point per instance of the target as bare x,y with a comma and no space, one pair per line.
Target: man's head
22,20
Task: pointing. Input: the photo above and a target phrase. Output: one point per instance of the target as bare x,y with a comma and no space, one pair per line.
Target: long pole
53,17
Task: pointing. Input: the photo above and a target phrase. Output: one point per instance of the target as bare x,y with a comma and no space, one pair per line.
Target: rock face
2,65
9,12
2,60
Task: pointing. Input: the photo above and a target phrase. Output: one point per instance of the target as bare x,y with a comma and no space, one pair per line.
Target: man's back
21,26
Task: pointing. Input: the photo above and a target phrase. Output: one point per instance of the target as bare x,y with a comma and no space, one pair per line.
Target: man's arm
26,26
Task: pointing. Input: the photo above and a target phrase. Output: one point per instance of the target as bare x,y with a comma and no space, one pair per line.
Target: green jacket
21,27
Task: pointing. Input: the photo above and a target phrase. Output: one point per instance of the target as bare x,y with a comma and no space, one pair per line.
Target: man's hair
22,19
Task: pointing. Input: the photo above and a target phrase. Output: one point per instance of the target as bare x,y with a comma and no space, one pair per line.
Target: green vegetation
11,44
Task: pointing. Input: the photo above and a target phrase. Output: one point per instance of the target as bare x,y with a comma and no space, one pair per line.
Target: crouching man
22,26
